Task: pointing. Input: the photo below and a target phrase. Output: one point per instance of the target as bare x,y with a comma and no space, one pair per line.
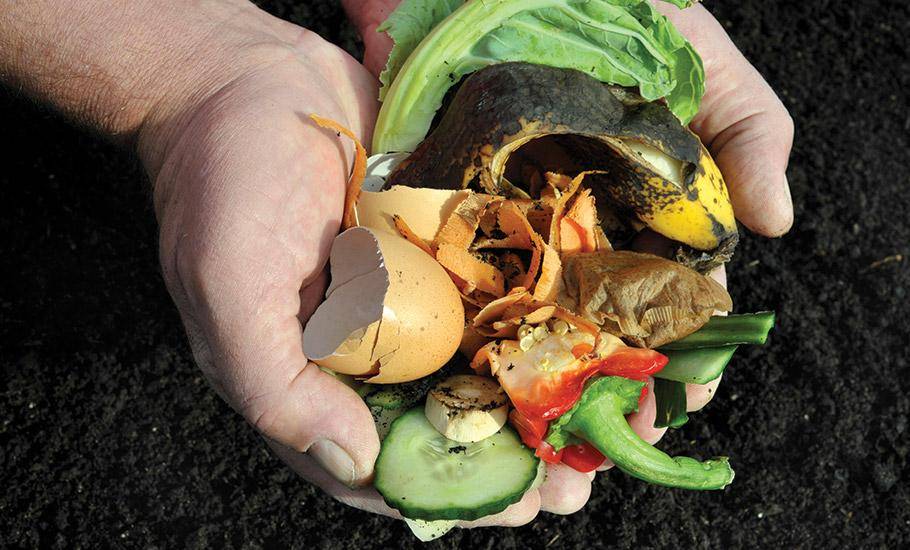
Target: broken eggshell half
391,313
424,210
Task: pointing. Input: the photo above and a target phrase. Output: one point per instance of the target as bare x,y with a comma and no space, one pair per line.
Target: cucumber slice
426,476
406,395
671,404
427,531
696,366
392,397
383,419
397,396
749,328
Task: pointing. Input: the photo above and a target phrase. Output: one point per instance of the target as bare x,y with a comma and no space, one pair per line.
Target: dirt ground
110,436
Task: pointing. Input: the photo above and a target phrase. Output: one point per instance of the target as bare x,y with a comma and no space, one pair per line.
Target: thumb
245,331
743,123
322,417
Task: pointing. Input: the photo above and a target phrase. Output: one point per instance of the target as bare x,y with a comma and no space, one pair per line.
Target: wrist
223,46
130,67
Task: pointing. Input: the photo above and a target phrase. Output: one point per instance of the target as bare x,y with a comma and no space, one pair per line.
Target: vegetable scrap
493,298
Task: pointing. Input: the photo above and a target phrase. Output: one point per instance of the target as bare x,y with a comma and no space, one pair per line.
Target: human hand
248,191
749,133
742,122
249,194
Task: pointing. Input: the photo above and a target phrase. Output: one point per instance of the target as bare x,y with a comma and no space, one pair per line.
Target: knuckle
778,124
263,421
262,413
783,126
567,504
273,408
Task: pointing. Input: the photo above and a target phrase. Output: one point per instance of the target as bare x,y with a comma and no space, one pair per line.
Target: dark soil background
109,436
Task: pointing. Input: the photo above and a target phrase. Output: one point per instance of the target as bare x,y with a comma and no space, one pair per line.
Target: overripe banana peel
511,123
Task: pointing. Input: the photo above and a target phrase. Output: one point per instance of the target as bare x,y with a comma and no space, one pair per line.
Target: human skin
215,96
742,121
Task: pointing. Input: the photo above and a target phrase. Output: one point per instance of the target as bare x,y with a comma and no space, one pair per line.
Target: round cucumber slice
426,476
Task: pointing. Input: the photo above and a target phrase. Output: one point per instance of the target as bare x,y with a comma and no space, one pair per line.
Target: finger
367,16
720,275
367,499
743,123
642,422
521,513
239,252
565,491
699,395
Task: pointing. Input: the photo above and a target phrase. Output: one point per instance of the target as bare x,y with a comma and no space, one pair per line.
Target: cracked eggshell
391,312
423,210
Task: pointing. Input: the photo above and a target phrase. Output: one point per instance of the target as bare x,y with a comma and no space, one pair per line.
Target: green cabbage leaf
437,42
407,26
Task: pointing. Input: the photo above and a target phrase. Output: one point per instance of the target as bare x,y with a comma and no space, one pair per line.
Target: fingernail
334,460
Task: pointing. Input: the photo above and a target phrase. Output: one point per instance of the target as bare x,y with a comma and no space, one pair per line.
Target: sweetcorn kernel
524,330
560,327
527,342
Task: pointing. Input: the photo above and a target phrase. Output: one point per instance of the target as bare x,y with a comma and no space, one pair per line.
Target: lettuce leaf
406,26
624,42
682,3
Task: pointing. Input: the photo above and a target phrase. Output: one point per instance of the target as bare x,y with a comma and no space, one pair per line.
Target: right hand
248,193
742,122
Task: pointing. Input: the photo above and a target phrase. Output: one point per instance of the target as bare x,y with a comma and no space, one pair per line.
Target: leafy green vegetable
624,42
745,328
408,24
599,419
696,366
702,356
682,3
671,403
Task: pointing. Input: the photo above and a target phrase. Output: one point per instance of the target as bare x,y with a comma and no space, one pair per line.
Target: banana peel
511,123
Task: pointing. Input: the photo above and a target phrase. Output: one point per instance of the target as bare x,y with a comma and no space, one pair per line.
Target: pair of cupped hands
248,193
